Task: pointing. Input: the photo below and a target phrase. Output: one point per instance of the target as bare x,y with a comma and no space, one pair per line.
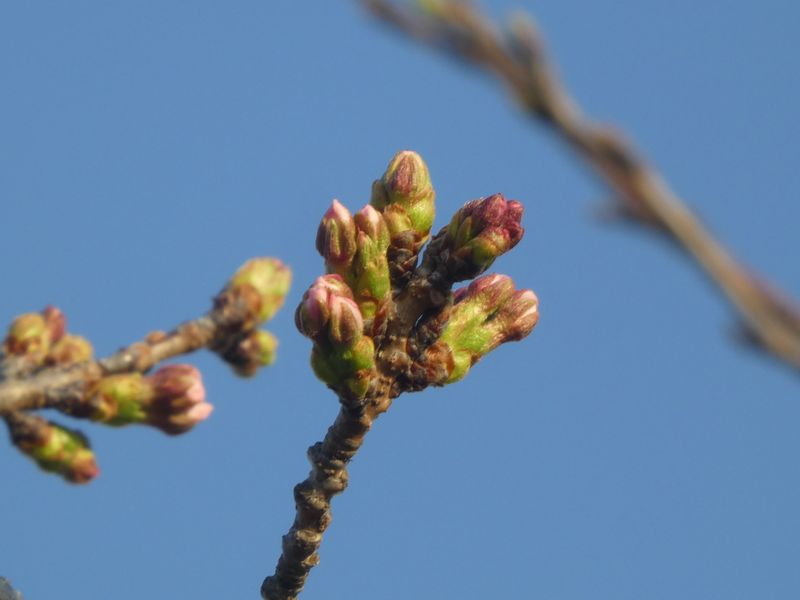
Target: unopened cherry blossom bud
314,314
336,238
32,334
407,183
70,350
54,448
178,402
261,285
116,400
479,232
255,350
346,323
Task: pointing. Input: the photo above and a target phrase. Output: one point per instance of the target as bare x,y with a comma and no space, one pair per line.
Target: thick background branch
517,58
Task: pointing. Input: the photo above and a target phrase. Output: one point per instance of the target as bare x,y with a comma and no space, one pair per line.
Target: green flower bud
54,448
32,334
261,284
485,314
117,400
407,184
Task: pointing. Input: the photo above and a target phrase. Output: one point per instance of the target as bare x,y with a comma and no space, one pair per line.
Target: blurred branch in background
517,57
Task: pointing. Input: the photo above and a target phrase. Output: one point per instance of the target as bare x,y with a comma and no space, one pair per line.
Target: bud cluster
254,294
36,339
376,313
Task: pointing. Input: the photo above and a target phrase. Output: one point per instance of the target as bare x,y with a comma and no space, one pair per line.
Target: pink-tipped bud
314,311
372,224
336,237
179,399
346,322
481,231
519,315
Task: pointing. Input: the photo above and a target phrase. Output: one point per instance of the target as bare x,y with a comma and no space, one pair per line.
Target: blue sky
626,450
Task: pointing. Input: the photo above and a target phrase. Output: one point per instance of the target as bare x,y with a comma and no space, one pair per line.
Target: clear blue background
628,449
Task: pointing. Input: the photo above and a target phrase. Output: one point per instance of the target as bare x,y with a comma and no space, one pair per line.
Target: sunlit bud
350,370
371,223
54,448
255,350
261,284
314,311
407,183
179,399
336,237
346,323
70,350
485,314
481,231
117,400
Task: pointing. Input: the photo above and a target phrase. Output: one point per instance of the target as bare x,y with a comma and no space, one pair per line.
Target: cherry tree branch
517,58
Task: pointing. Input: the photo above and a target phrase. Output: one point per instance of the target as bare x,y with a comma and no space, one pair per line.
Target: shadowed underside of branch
516,56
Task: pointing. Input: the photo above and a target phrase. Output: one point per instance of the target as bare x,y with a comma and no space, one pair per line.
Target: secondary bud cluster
172,399
375,295
54,448
254,294
36,339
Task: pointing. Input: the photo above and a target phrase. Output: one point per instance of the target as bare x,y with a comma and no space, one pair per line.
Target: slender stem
328,477
518,60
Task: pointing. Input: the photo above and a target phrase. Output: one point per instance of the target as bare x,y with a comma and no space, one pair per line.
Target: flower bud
255,350
407,183
327,312
32,334
54,448
485,314
261,284
116,400
369,274
405,196
336,238
70,350
371,223
346,323
479,232
178,402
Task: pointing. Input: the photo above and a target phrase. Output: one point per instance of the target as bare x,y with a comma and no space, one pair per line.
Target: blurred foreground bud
32,334
405,197
54,448
70,350
261,284
487,313
255,350
336,238
172,399
480,232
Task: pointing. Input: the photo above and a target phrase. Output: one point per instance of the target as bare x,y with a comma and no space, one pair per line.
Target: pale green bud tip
336,236
263,283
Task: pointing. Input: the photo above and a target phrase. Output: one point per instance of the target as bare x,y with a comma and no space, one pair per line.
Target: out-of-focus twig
516,56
